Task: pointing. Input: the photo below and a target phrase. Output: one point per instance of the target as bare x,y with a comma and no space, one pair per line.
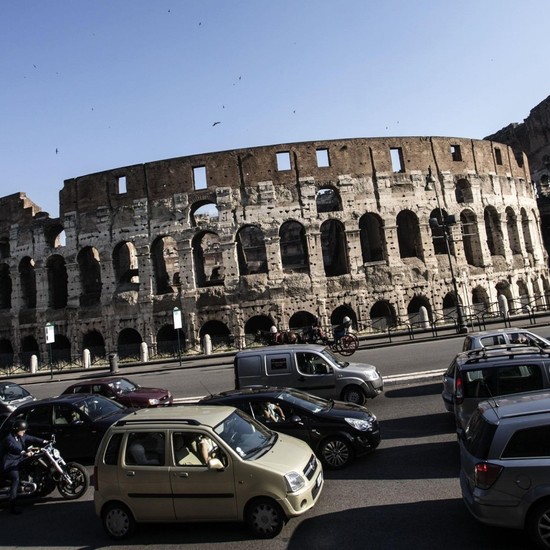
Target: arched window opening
480,300
256,329
57,282
125,263
54,234
294,255
334,246
164,254
513,233
220,335
29,347
93,341
337,316
302,321
438,229
6,353
523,293
204,214
167,340
129,344
526,229
382,315
208,259
417,310
5,286
4,248
90,276
60,350
373,240
470,238
328,200
463,192
27,277
503,289
494,231
251,250
408,235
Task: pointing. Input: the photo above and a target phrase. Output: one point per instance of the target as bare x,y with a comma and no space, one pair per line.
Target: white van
310,368
202,463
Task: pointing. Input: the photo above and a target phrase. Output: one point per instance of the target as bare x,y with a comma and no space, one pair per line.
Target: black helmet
19,425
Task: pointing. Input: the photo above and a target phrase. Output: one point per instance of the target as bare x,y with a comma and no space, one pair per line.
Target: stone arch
503,288
60,349
29,347
90,276
294,253
480,299
523,293
218,331
301,320
344,310
4,247
203,214
251,250
6,353
164,255
512,229
129,343
5,286
413,309
334,247
408,235
372,237
438,232
27,276
208,259
470,238
258,323
449,301
57,282
494,231
463,192
54,234
328,199
93,341
526,230
382,315
125,264
167,340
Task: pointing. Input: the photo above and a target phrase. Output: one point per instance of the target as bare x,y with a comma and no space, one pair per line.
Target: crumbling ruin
240,240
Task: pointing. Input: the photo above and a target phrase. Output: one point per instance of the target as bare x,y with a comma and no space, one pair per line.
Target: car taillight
485,474
96,480
459,390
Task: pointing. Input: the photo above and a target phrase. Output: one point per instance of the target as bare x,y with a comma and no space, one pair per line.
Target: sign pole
50,338
176,313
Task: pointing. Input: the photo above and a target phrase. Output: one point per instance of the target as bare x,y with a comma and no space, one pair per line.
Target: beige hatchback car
202,463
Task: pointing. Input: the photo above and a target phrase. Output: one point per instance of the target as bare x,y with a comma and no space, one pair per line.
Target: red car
124,391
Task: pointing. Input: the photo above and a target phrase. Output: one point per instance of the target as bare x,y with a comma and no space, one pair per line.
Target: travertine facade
243,239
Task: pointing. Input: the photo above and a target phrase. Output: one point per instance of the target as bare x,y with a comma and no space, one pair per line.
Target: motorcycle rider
14,451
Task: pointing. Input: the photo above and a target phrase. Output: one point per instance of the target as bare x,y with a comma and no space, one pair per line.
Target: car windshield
333,359
12,392
123,386
248,438
305,401
96,407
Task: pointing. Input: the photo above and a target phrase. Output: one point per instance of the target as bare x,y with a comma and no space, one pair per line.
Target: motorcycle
44,470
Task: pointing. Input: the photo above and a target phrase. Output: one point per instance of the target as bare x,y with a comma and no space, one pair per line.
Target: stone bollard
86,358
503,305
113,362
207,344
424,317
34,364
143,352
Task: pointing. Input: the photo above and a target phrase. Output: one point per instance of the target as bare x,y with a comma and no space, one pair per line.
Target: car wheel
538,524
335,453
264,518
118,521
354,394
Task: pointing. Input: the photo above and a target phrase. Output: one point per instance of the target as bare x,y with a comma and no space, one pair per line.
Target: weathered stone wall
134,249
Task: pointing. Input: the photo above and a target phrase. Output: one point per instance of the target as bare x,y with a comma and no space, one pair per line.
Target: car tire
118,521
264,518
354,394
538,524
335,453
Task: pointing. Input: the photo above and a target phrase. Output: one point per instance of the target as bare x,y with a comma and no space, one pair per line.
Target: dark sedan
77,421
11,396
335,430
124,391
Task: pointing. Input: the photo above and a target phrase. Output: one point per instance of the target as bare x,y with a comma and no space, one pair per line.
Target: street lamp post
446,224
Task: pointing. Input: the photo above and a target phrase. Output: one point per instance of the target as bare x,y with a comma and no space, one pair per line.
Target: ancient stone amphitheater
240,240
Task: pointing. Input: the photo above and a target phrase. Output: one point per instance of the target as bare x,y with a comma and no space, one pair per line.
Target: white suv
202,463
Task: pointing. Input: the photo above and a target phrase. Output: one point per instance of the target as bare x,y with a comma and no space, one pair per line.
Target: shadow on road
415,391
418,426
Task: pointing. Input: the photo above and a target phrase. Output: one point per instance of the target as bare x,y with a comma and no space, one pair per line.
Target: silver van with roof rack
504,464
485,373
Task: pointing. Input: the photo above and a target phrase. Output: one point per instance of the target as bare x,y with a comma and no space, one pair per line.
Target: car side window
529,443
310,363
145,449
113,450
39,416
195,449
270,411
63,414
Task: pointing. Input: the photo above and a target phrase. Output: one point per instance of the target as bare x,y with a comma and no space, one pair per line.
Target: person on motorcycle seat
14,451
342,328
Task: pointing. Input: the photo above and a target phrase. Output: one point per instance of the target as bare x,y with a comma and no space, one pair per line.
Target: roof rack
504,350
190,421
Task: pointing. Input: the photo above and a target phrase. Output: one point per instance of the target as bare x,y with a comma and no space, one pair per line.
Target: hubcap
265,518
336,453
544,528
117,522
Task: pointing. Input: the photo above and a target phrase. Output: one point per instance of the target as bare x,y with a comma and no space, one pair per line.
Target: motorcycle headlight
361,425
56,453
294,482
153,402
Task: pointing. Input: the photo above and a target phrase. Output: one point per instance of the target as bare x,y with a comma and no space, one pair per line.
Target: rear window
113,449
478,435
529,443
501,380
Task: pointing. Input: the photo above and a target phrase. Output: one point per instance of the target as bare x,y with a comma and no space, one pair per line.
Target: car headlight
372,374
153,402
361,425
294,482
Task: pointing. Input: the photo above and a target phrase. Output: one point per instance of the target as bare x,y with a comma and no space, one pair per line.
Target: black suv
335,430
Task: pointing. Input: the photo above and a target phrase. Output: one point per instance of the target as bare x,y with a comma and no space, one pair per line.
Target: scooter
44,470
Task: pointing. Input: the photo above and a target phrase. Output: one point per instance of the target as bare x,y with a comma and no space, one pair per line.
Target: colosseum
384,230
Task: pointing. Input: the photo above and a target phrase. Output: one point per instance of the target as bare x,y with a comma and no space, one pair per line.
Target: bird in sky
218,122
56,151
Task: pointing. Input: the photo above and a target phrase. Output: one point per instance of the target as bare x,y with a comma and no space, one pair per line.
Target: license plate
319,480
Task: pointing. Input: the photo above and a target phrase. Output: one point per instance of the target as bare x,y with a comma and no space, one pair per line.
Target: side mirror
295,419
216,464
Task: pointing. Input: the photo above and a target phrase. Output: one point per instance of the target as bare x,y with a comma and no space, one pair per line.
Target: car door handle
181,474
130,473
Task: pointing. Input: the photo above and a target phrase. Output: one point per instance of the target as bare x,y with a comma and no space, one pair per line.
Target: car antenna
492,401
207,390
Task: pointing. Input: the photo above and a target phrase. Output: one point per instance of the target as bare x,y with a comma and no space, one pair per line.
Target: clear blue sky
92,85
